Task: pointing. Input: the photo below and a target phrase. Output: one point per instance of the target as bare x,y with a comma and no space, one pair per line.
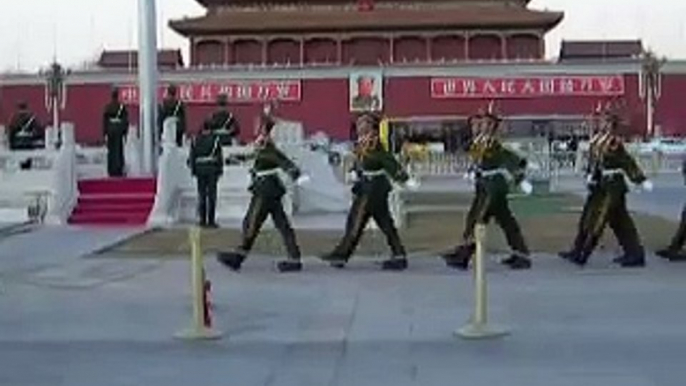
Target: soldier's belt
115,120
491,173
205,160
265,173
373,173
611,172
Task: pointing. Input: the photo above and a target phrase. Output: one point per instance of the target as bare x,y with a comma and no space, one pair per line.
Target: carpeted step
114,201
117,185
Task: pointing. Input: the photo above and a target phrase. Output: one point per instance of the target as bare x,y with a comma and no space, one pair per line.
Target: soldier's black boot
517,262
289,265
631,261
335,260
232,260
668,253
394,264
568,255
459,259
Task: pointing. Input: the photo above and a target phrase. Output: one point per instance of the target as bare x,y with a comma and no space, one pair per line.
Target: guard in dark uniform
374,169
674,252
207,165
172,107
224,123
115,125
267,192
610,164
494,169
25,131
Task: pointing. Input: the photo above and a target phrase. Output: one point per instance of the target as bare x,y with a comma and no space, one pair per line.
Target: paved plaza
66,319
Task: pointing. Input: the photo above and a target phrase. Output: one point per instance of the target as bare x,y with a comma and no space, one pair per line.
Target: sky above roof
32,32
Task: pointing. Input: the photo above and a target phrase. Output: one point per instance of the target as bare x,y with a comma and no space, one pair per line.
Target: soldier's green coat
268,158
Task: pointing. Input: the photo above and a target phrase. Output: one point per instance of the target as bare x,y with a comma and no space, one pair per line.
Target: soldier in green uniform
224,123
674,251
494,169
25,131
207,165
267,192
172,107
115,125
374,169
610,164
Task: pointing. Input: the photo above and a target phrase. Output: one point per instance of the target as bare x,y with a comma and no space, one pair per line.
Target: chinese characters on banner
236,91
527,87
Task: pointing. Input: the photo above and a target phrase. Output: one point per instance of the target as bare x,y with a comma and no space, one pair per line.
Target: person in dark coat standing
25,131
267,191
115,123
224,123
172,107
207,165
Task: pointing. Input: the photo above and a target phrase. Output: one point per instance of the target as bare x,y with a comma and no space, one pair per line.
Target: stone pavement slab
359,326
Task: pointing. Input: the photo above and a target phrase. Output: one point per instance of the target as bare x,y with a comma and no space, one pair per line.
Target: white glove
526,187
303,179
412,184
352,176
469,176
647,185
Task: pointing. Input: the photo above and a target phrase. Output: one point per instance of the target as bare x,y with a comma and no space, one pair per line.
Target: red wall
324,105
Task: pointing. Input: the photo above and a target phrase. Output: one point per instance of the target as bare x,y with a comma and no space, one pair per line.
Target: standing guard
25,132
609,165
115,123
373,170
674,251
207,165
267,191
172,107
224,123
494,168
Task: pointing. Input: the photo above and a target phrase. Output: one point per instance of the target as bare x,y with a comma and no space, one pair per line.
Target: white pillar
147,81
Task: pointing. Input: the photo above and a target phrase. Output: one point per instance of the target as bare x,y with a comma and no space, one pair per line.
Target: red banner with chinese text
236,91
527,87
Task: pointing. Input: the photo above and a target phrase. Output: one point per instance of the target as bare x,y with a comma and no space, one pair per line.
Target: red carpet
114,201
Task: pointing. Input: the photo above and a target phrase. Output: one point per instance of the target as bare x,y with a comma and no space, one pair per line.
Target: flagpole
147,81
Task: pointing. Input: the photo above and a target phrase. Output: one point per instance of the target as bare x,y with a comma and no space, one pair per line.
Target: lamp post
147,81
55,91
651,87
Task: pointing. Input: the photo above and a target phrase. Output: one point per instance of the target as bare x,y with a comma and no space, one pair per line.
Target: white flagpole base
481,331
202,333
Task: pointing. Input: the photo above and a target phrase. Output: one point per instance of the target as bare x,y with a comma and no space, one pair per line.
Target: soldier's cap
22,105
362,78
372,118
171,89
222,99
207,125
491,112
114,92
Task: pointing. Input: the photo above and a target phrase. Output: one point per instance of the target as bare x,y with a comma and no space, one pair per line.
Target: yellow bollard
201,328
478,327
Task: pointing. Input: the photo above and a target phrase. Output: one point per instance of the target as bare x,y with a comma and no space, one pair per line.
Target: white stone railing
45,178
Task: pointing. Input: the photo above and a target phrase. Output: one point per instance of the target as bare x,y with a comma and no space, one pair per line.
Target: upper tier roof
326,19
215,3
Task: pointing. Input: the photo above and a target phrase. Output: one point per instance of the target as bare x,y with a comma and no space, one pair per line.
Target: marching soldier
267,191
674,251
374,169
172,107
224,124
610,163
115,125
25,132
207,165
494,168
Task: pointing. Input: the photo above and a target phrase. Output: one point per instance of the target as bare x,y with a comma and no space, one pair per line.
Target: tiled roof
473,16
124,59
595,49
